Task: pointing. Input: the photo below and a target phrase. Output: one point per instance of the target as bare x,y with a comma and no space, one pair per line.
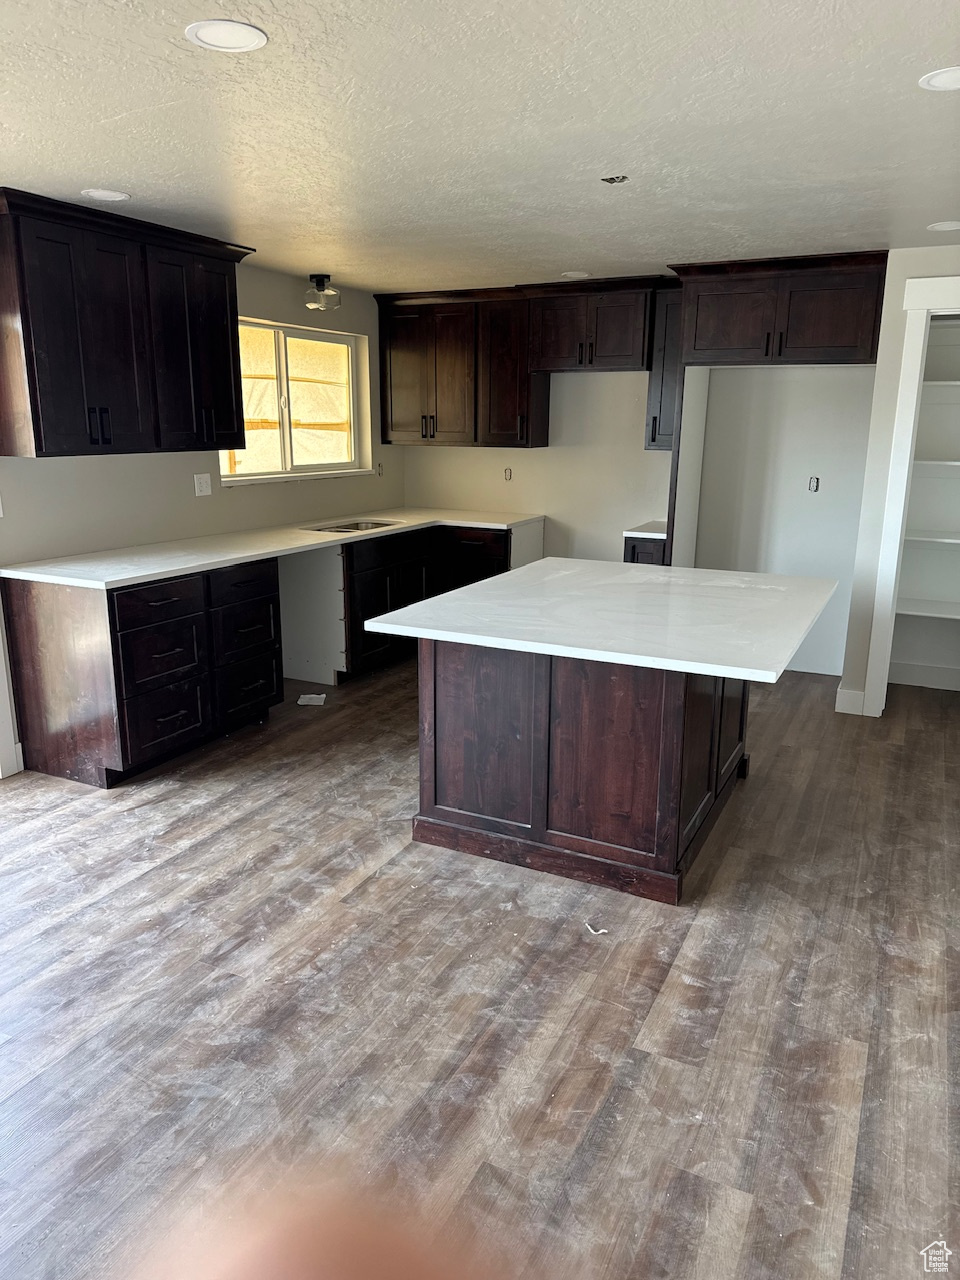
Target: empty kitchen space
479,643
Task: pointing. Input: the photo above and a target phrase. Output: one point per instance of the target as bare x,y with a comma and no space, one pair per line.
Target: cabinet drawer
153,656
157,601
166,719
241,630
244,582
388,549
243,686
644,550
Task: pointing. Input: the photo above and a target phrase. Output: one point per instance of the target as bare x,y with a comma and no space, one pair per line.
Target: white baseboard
849,701
11,762
925,676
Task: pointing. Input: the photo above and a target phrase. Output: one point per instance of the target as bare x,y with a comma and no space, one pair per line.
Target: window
299,403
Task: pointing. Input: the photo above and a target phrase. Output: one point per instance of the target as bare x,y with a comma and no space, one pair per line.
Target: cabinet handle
176,715
92,427
248,688
590,354
433,427
521,428
156,604
653,427
208,425
423,426
766,344
580,353
105,433
167,653
245,631
780,343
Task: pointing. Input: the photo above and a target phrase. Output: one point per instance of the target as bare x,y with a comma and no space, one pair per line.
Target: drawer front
388,549
241,630
495,542
154,656
644,550
245,686
157,601
167,719
244,582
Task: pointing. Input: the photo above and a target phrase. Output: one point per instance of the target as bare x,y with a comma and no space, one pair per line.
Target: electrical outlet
508,473
379,468
814,485
202,486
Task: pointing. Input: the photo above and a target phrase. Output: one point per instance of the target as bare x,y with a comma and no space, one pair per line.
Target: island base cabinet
604,773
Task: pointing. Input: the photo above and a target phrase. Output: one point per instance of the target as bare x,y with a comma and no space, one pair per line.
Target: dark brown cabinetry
513,405
429,367
644,550
389,572
589,331
825,311
665,391
121,335
604,773
107,682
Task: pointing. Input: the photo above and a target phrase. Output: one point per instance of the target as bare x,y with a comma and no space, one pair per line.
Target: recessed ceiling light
225,36
575,275
616,179
101,193
944,226
947,78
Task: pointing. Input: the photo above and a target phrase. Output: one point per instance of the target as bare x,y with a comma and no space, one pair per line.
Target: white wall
595,480
902,265
57,505
768,430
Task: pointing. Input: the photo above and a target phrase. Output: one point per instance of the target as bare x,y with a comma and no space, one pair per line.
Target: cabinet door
616,331
368,595
558,333
644,550
217,354
831,318
699,768
732,712
730,320
503,337
452,419
65,413
114,313
665,393
173,318
406,335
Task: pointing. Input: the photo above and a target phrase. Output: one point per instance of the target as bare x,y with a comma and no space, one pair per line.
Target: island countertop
745,626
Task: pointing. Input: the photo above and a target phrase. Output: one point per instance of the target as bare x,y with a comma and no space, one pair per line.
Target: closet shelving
926,640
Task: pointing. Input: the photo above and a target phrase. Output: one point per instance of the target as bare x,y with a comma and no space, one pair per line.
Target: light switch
814,485
201,485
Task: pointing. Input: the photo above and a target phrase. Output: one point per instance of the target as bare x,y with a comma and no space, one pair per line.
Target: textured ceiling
433,144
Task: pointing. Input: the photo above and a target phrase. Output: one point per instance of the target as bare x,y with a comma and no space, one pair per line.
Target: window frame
291,470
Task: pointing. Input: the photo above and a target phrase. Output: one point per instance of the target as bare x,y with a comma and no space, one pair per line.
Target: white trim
923,297
11,754
281,477
849,701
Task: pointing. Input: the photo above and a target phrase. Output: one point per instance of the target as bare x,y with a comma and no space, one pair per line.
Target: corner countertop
652,529
128,566
743,625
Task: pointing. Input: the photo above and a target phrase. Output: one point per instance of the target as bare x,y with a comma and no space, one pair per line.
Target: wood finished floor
242,963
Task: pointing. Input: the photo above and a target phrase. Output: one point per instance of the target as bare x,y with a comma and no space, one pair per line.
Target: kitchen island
588,718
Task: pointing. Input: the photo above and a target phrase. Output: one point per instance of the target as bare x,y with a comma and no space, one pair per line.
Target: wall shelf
932,535
928,608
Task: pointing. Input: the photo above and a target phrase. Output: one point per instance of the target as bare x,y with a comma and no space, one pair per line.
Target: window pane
261,413
319,375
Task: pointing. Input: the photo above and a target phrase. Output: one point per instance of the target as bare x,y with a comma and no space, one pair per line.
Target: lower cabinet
389,572
644,550
108,682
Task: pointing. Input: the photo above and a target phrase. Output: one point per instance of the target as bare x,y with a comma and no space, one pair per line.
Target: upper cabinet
118,336
589,331
512,404
428,360
665,391
813,311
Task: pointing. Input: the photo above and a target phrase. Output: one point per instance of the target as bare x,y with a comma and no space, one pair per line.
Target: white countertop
652,529
128,566
744,625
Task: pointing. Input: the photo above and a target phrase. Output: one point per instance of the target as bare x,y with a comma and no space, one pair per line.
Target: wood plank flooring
241,964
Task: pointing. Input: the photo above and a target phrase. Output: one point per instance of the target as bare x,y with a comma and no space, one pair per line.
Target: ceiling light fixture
575,275
941,81
944,226
101,193
321,296
616,179
225,36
